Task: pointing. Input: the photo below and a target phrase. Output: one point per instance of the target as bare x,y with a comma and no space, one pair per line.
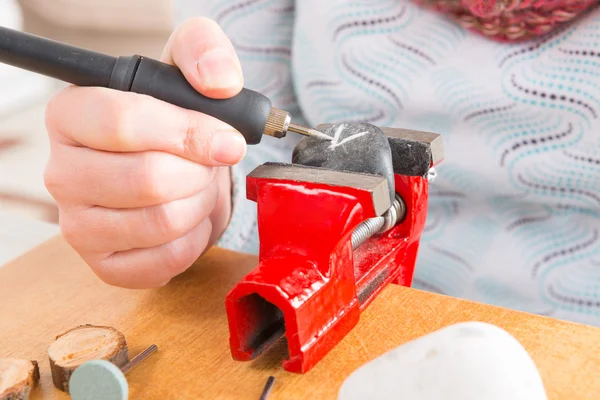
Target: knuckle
148,181
181,37
177,41
174,262
54,112
178,257
215,193
185,251
115,269
53,179
106,270
165,220
120,119
186,38
201,19
193,24
206,23
197,140
71,230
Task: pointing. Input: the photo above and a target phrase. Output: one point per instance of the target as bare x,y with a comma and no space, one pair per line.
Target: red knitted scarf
511,20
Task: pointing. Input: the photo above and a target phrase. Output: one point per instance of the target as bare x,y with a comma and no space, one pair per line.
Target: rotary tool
249,112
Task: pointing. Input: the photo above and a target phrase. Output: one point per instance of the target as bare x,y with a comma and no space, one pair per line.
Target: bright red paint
307,268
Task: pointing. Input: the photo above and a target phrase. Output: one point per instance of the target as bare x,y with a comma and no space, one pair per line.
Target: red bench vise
330,241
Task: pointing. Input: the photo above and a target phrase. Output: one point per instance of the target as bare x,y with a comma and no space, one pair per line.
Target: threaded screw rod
373,226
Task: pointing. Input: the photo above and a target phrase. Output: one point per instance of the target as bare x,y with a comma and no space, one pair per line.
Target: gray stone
355,147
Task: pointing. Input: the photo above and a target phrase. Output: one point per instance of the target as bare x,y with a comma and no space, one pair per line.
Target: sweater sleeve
242,232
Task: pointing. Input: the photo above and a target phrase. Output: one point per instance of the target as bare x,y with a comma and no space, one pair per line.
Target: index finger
109,120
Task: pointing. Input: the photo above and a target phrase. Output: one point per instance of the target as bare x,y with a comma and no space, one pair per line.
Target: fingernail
219,70
227,147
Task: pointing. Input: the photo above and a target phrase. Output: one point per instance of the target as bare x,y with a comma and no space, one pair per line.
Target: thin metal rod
268,387
139,358
308,132
299,129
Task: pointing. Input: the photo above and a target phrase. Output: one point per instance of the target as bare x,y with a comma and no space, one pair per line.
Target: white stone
466,361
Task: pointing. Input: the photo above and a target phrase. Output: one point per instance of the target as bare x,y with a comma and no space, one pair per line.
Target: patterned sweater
514,215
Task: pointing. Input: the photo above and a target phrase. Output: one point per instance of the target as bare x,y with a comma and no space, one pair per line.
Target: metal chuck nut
278,123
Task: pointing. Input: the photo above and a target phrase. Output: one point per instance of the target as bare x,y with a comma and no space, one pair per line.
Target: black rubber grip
55,59
123,73
247,111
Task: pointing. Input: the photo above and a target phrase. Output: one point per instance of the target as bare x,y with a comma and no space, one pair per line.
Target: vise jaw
311,285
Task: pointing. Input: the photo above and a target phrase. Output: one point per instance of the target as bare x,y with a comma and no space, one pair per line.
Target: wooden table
50,290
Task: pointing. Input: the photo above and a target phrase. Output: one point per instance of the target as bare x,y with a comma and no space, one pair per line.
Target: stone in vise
354,147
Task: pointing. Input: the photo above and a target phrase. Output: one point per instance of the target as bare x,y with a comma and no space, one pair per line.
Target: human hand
143,187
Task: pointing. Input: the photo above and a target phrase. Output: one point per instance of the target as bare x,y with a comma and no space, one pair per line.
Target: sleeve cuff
241,234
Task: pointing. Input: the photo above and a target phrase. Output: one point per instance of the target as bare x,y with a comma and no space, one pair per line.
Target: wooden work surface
51,290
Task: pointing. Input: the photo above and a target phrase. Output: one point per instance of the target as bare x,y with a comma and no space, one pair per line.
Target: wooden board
51,290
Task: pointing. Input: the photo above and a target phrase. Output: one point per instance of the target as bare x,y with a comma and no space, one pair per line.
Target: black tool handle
60,61
247,111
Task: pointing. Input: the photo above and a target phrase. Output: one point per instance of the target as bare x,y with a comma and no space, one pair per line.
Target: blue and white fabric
514,216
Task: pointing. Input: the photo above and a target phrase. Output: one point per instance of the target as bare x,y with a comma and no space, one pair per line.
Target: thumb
202,51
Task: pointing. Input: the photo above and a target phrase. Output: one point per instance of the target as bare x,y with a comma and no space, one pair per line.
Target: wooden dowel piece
18,378
81,344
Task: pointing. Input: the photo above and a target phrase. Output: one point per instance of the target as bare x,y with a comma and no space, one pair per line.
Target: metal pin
139,358
103,380
308,132
268,387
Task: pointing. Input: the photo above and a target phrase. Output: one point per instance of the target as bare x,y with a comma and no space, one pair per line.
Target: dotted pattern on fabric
514,214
